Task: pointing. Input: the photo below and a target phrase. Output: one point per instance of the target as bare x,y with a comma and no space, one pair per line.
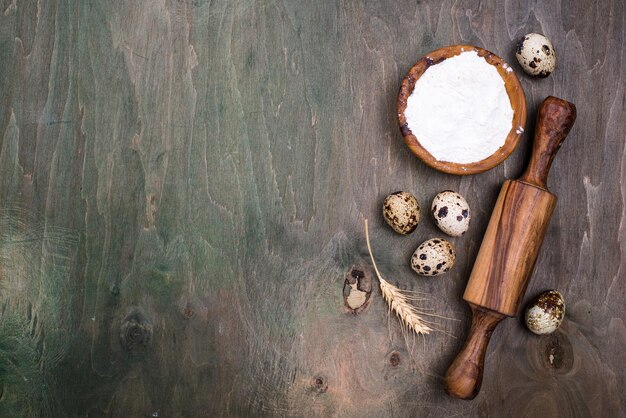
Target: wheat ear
397,299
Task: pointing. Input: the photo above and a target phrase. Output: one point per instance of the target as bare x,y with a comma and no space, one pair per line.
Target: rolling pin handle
554,121
465,374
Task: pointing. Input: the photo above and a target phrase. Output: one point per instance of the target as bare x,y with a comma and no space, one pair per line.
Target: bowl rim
513,88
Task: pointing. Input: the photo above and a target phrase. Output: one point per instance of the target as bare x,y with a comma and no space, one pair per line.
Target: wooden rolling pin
509,249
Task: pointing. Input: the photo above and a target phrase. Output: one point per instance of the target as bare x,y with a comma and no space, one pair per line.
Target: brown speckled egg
451,212
545,314
433,257
536,55
402,212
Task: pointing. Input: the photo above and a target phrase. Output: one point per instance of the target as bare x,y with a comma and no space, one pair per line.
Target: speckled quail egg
433,257
545,314
402,212
451,212
536,55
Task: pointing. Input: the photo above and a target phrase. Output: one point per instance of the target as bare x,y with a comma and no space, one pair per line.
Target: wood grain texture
465,375
510,247
183,185
555,119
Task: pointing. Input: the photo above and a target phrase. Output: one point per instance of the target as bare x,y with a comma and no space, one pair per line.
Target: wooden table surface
183,185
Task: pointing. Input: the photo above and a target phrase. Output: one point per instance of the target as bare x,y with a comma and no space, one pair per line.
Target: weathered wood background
183,185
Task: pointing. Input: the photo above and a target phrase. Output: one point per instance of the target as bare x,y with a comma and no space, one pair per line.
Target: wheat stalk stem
398,300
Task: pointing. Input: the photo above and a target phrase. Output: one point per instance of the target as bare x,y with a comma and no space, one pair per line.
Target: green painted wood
183,185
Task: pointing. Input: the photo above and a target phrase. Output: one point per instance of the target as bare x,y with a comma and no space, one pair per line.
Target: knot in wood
319,384
556,353
136,334
357,289
394,359
188,312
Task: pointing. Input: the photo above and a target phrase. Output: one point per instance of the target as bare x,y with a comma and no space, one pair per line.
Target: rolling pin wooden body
510,247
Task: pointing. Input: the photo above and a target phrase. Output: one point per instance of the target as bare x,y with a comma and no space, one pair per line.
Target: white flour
459,109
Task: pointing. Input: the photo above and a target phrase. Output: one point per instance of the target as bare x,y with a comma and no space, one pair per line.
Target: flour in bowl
459,109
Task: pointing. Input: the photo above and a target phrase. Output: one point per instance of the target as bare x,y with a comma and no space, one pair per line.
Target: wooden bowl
513,89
